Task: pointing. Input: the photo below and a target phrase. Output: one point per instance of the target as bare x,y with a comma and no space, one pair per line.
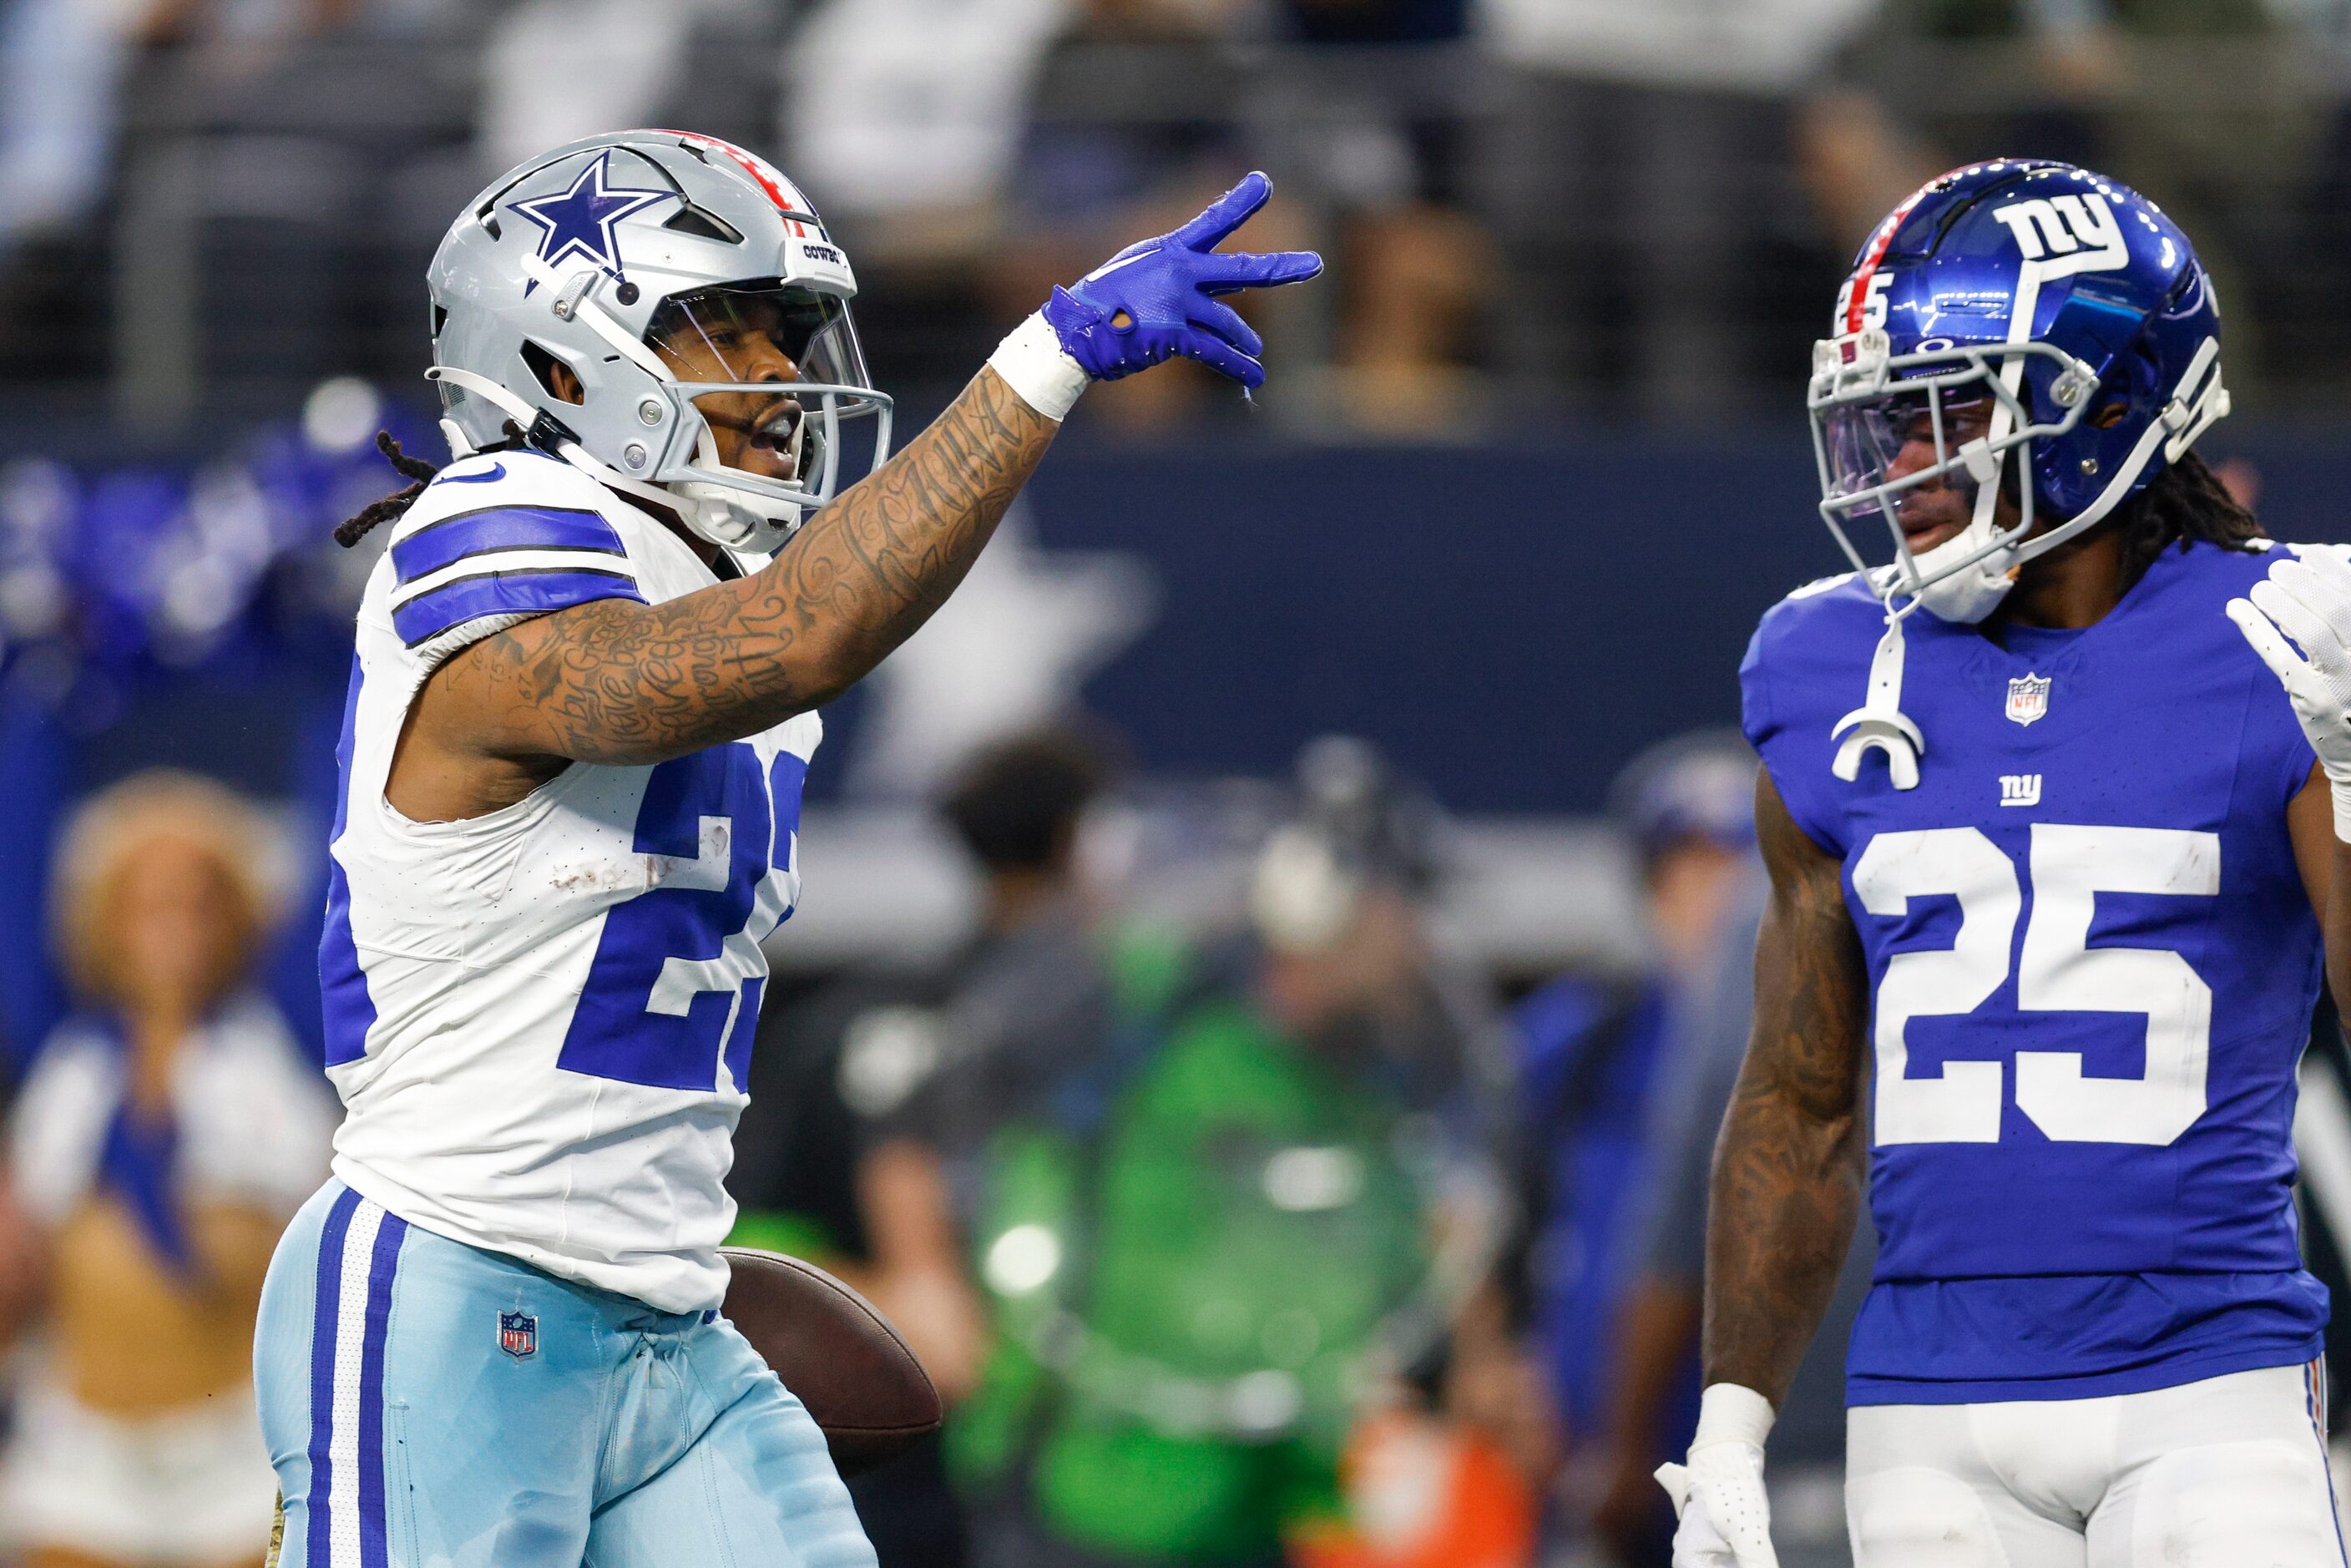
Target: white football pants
2226,1473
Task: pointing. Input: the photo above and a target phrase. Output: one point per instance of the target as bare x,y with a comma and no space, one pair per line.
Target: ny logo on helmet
2061,226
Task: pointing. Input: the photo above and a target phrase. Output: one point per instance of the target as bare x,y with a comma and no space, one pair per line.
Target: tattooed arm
614,681
1788,1165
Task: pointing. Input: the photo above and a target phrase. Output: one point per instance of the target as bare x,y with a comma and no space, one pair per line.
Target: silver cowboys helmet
618,300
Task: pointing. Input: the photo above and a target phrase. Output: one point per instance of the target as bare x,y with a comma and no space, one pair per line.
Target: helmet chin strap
1979,568
571,452
736,518
1963,579
1969,594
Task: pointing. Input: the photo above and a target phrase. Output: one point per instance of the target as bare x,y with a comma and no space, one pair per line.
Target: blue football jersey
2091,964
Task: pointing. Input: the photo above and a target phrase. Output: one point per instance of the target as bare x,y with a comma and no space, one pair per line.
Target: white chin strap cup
728,517
1963,579
1879,723
1966,596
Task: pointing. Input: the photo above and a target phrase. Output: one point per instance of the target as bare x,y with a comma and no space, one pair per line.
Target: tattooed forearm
618,682
1787,1168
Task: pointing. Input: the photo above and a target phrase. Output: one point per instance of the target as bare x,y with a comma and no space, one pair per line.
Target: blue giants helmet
2073,304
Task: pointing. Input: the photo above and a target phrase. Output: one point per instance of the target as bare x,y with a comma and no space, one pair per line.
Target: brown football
844,1361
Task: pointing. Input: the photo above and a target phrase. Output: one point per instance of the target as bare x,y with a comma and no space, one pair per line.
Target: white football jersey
540,1019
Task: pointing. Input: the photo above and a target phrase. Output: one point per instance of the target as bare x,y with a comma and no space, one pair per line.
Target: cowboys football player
2056,868
580,712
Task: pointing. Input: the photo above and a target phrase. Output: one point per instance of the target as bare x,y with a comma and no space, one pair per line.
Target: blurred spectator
1641,181
1028,1008
1594,1052
556,71
2155,93
1029,1013
1652,1345
874,1099
61,63
1857,163
1131,129
21,1255
1203,1244
1371,120
166,1133
1417,276
903,116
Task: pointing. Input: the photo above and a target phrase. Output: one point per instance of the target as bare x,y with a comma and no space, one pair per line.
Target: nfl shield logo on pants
2028,698
518,1334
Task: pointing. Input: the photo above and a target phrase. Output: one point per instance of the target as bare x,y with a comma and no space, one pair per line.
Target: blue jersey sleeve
2276,737
1791,695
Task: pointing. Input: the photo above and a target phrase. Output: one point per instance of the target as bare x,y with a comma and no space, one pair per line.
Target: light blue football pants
429,1405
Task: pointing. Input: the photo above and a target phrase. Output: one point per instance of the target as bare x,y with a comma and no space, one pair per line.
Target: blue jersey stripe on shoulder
531,592
452,540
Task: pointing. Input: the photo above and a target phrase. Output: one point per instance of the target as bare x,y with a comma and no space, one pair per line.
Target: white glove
2308,599
1726,1519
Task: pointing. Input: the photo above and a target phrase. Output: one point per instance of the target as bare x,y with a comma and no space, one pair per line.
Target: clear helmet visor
777,376
1869,448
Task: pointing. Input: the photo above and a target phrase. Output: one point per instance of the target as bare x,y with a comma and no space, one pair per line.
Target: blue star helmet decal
579,221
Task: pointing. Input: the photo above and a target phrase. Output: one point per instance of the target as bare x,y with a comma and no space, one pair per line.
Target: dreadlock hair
2186,503
351,531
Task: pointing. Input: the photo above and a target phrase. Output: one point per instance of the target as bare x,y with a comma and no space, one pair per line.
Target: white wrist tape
2341,789
1727,1413
1032,363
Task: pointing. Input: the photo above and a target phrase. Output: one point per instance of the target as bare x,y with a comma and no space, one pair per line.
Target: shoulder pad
1821,585
504,479
1828,601
501,537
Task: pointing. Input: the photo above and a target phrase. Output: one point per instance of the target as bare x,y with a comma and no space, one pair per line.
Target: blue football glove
1157,299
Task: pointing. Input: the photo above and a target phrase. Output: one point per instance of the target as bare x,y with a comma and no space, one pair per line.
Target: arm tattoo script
618,682
1787,1166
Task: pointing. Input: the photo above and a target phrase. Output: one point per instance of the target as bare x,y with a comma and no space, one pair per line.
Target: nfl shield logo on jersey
2028,698
518,1334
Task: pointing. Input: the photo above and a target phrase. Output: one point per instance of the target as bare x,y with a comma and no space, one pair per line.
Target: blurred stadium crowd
1304,1167
1532,205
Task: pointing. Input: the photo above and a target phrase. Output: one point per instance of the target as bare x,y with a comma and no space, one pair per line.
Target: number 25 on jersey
2057,971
